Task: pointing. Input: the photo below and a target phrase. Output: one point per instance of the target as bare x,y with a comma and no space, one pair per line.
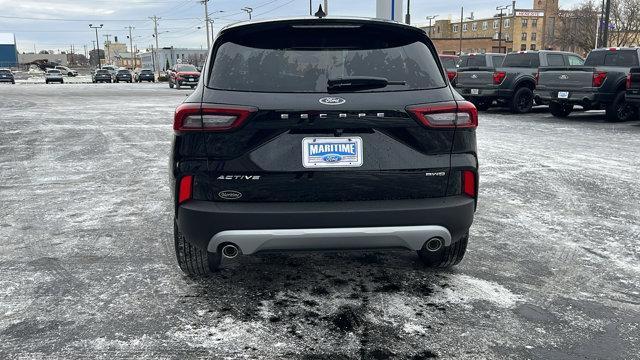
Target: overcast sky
69,19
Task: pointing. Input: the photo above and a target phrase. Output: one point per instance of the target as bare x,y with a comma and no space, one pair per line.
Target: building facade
8,50
516,30
171,55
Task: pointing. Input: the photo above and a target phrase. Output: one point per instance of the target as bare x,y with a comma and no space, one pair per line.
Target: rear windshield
623,58
304,60
524,60
123,71
102,71
449,63
146,71
54,71
2,71
473,60
186,68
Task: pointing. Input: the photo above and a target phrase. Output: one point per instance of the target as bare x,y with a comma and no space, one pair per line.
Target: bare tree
576,28
625,23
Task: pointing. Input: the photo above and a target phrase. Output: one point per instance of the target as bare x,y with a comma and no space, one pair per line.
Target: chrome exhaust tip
230,251
434,244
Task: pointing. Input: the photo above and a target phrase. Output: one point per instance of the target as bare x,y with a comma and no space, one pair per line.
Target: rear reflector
461,114
469,183
209,117
185,191
452,75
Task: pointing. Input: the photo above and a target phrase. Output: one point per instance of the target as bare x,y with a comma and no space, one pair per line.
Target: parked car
183,75
513,83
6,75
53,75
599,84
633,87
450,63
145,75
270,158
112,70
101,75
124,75
476,70
66,71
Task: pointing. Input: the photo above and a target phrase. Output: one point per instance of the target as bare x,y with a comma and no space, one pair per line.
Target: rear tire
560,110
447,256
192,260
522,101
619,110
170,85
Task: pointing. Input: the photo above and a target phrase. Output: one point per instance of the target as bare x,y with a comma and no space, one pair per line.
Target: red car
183,75
450,64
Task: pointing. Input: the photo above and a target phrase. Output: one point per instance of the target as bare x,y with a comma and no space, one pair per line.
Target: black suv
322,134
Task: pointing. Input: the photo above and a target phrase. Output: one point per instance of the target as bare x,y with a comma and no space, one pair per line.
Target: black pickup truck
511,84
633,87
599,84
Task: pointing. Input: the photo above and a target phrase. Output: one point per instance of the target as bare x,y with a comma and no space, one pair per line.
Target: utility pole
97,43
310,7
326,7
501,8
248,10
108,48
133,61
206,20
431,18
461,19
407,18
155,34
605,26
85,50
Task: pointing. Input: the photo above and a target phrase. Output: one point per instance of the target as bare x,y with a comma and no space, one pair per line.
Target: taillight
498,77
461,114
186,189
208,117
628,81
452,75
537,77
469,183
598,78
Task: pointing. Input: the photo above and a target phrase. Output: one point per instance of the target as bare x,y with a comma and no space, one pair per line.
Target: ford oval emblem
230,194
474,76
563,77
332,100
332,158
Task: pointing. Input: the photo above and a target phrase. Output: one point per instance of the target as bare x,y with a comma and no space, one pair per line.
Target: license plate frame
563,94
332,152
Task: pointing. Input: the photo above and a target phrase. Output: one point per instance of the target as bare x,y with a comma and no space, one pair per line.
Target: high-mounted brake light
498,77
186,189
599,78
452,75
209,117
461,114
469,183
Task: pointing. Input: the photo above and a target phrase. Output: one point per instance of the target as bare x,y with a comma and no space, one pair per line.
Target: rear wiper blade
360,83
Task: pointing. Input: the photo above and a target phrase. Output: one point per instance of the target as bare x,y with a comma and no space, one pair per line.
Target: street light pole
97,43
407,18
133,61
461,20
431,18
248,10
605,28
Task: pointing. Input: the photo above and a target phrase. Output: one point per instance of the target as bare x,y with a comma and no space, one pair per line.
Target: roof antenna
320,13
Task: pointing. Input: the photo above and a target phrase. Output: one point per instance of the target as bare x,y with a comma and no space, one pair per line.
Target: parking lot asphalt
87,270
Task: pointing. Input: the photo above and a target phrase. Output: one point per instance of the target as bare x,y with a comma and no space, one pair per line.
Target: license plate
563,94
191,80
331,152
475,91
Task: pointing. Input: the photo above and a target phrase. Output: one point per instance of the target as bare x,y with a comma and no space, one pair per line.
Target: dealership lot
551,271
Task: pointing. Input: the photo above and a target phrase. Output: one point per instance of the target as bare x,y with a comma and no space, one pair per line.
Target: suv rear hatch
298,140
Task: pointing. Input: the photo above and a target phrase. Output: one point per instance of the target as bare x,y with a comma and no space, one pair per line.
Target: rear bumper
633,97
336,225
486,93
588,98
7,80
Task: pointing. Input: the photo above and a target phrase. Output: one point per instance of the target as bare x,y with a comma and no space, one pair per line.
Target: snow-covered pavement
552,270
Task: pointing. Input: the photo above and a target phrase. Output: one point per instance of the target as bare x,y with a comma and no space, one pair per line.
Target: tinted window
555,59
123,71
526,60
3,71
473,60
306,63
102,71
54,71
624,58
497,60
448,63
146,71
